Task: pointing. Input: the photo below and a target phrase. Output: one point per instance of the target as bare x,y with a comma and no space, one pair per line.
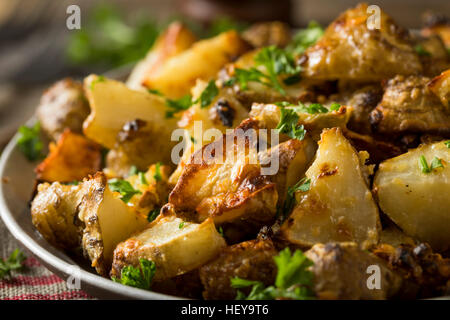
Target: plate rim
91,281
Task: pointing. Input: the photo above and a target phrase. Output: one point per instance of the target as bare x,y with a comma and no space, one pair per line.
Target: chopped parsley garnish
177,105
305,38
142,178
29,142
221,231
208,94
335,106
153,214
421,51
14,262
288,124
181,225
140,277
98,79
293,280
303,185
435,163
125,189
312,108
157,176
133,171
276,62
447,143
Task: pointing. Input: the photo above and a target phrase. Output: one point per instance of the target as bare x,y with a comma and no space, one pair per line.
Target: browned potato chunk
340,272
63,106
174,40
417,202
113,105
339,205
263,34
73,158
107,221
408,105
174,245
201,61
229,186
54,212
349,50
252,260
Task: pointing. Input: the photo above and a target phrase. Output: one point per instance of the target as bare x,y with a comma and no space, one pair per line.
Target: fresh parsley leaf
208,94
335,106
29,142
303,185
140,277
133,170
421,51
221,231
288,124
435,163
157,176
14,262
97,80
125,189
447,143
153,214
305,38
293,280
72,183
177,105
181,225
155,91
142,178
313,108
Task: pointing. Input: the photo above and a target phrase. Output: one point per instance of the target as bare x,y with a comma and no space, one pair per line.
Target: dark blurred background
36,47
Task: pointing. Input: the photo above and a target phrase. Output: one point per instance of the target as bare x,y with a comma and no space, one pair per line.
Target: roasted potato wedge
113,104
268,116
174,245
408,106
201,61
417,202
54,213
339,205
63,106
73,158
174,40
341,272
107,221
350,50
226,184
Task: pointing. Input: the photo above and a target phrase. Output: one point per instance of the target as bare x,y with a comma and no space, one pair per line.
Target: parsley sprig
140,277
303,185
125,189
293,281
435,163
29,142
157,176
447,143
305,38
14,262
288,124
153,214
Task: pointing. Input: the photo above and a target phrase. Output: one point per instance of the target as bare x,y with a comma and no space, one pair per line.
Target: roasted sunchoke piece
174,40
73,158
294,157
252,260
433,54
350,50
107,221
224,181
341,271
265,34
426,274
439,24
63,106
408,105
268,116
113,104
202,60
174,245
54,211
136,146
440,86
414,194
154,188
339,205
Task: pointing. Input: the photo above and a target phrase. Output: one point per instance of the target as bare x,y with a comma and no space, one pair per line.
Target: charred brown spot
225,112
325,170
130,129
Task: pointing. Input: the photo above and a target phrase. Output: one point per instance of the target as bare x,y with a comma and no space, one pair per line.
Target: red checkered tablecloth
34,282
